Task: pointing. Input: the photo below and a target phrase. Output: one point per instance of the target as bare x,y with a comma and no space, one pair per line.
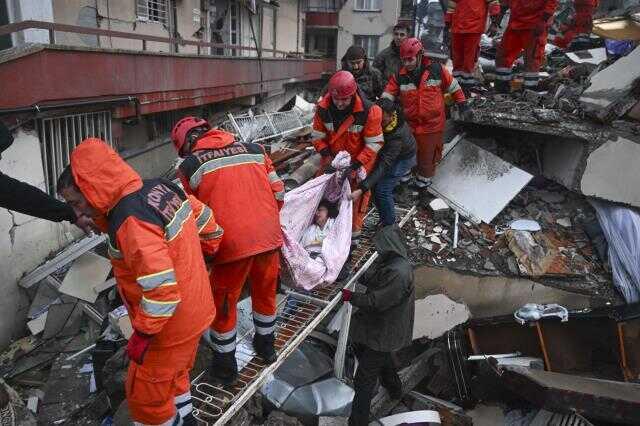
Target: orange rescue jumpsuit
238,181
360,134
156,239
422,102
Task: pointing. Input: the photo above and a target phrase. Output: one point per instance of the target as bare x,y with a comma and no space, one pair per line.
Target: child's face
322,214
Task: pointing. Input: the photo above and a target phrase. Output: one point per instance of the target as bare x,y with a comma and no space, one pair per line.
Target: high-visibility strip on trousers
429,153
153,388
262,272
513,43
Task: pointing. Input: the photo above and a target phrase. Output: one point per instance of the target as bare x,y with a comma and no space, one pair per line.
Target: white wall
24,241
37,10
366,23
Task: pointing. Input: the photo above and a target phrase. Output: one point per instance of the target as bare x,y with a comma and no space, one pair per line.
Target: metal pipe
496,356
48,107
455,229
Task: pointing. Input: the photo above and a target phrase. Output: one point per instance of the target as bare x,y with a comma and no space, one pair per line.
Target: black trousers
372,365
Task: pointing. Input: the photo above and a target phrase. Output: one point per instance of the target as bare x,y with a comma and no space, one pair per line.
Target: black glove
325,152
329,170
355,165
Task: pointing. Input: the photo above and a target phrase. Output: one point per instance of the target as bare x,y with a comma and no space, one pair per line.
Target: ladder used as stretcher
299,313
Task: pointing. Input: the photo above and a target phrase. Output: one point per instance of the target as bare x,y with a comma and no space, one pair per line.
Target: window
321,6
375,5
369,44
153,11
234,28
60,135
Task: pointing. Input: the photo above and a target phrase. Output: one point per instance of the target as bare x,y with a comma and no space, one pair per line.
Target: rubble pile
568,258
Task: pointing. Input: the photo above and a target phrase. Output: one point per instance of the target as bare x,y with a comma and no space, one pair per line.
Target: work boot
502,86
391,382
263,345
224,368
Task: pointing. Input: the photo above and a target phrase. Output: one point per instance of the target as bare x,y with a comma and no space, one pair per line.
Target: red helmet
342,85
184,126
410,48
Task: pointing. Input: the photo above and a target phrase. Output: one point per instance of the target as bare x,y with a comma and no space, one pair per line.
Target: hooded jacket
388,61
27,199
399,144
384,321
155,233
238,181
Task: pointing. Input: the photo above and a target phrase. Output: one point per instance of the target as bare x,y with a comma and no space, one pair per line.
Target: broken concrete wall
612,173
491,296
24,240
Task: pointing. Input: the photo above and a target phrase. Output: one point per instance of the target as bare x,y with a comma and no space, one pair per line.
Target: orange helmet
183,127
410,48
342,85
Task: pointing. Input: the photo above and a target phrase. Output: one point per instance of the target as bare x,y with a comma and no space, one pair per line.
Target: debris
618,28
532,312
63,320
468,173
412,417
120,321
565,222
535,255
86,272
591,56
329,397
435,315
439,208
611,93
36,325
525,225
596,399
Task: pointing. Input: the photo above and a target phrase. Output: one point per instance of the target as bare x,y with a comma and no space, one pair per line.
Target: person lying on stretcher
315,234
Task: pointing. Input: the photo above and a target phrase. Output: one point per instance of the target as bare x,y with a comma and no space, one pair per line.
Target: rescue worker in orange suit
466,20
346,121
576,34
420,86
156,238
237,180
527,30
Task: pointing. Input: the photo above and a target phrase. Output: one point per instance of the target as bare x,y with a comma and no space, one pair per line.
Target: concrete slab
492,296
611,171
87,271
437,314
610,94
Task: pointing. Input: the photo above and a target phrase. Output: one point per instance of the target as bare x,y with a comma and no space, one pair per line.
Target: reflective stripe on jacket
360,134
154,244
238,181
423,106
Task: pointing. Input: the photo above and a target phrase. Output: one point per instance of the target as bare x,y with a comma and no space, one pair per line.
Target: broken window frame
367,5
60,135
370,44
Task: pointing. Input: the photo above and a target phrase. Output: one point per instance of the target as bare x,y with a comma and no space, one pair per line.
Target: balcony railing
201,46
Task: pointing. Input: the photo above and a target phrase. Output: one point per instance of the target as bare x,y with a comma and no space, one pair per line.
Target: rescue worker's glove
359,171
138,346
325,152
329,170
346,295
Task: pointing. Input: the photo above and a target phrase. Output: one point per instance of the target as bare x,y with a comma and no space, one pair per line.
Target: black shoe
263,345
189,420
224,368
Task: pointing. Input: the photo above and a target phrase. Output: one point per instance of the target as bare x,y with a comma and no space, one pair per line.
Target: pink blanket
297,214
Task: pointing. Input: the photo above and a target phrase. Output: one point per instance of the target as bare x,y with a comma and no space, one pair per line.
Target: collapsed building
526,279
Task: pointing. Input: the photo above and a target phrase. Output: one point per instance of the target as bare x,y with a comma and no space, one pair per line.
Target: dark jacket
24,198
388,61
399,144
370,81
384,321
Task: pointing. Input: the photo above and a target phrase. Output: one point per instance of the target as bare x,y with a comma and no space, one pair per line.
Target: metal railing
299,313
144,38
266,127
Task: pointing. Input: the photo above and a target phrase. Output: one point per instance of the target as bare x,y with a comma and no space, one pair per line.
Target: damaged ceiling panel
477,183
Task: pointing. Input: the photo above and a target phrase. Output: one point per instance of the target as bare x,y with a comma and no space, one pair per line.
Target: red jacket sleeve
146,253
319,134
277,186
373,138
208,229
391,90
450,85
550,7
